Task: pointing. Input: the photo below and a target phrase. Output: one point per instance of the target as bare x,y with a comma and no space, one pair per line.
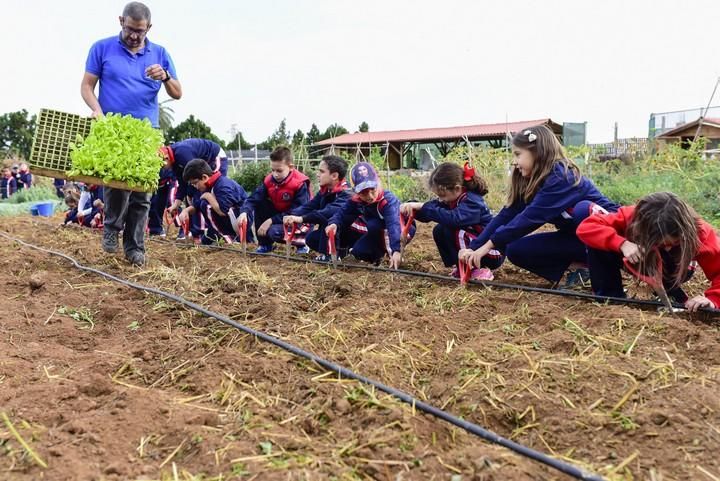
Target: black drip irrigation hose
342,372
711,312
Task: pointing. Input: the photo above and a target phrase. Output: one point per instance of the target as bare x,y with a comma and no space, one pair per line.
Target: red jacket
607,232
282,194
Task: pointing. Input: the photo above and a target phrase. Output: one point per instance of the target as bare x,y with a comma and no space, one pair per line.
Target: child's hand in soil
395,260
697,302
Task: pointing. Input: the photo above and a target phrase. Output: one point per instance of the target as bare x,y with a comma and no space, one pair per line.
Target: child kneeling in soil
333,194
177,156
71,195
284,189
369,223
90,207
461,215
545,188
220,199
664,237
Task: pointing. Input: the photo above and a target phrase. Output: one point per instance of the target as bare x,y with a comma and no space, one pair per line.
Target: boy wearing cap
369,222
284,189
333,194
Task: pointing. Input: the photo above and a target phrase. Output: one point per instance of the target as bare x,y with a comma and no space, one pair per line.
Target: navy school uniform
558,201
319,211
230,196
458,224
182,153
273,200
71,216
370,230
161,200
59,184
8,186
25,179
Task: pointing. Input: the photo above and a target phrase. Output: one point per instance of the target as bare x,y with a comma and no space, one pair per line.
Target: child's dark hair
72,197
661,216
195,169
547,151
282,154
447,176
336,165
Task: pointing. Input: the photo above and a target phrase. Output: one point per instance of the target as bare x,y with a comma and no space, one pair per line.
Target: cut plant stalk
22,441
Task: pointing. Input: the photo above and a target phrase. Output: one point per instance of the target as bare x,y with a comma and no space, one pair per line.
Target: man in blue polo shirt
131,71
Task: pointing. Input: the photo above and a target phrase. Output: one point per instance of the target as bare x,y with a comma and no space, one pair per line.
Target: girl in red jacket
661,230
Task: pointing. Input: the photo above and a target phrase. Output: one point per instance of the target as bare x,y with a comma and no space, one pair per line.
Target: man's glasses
135,31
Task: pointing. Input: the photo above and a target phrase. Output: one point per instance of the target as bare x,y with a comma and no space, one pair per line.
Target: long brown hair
547,151
660,216
448,175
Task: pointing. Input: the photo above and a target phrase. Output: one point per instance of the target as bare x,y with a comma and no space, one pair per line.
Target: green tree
192,128
364,127
298,138
279,137
16,134
233,144
333,130
313,134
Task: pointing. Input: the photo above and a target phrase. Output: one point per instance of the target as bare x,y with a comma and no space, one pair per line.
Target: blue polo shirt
124,88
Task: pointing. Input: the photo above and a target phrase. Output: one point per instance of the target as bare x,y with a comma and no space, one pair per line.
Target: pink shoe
482,274
455,272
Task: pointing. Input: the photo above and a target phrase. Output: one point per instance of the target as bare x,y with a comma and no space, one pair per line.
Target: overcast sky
396,64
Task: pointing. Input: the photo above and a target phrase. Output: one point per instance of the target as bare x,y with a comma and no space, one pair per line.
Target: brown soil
105,382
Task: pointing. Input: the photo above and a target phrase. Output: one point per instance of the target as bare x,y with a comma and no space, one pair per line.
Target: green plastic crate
53,134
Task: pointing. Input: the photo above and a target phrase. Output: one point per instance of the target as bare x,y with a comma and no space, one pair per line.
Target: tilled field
104,382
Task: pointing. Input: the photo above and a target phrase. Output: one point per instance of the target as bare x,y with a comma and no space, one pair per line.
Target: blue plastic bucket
34,210
45,208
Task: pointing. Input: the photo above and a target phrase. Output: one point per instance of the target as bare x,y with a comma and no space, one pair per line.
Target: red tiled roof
442,133
715,122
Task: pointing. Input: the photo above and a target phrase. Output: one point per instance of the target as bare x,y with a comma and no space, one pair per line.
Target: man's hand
96,114
292,219
331,229
262,230
156,72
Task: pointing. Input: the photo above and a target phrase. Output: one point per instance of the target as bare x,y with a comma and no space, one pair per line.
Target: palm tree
166,116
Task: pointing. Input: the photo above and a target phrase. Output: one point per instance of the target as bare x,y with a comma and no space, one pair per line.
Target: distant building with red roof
400,144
